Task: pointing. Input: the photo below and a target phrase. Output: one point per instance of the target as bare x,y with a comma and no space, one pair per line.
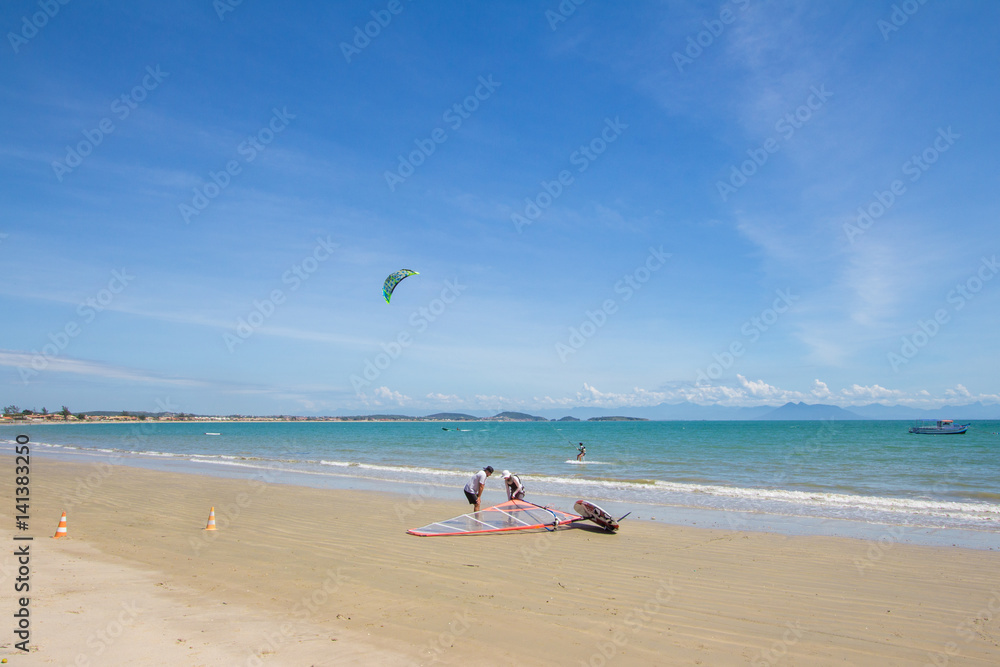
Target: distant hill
518,417
684,411
687,411
805,412
134,413
881,411
618,419
975,410
378,418
451,416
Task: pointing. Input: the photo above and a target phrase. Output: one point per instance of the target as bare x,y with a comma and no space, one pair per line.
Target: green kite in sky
393,280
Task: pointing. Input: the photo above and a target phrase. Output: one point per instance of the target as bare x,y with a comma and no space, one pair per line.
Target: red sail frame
509,516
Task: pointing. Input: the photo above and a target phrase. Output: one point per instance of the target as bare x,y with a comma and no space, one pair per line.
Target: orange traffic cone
61,530
211,520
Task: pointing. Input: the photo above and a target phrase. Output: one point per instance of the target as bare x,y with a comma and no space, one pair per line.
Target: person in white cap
515,490
474,489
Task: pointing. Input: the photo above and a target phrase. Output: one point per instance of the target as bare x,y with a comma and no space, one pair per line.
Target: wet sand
300,576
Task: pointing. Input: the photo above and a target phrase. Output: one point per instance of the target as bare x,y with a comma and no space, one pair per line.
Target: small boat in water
938,427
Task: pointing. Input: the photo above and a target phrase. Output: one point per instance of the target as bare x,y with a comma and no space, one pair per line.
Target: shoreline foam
925,521
330,564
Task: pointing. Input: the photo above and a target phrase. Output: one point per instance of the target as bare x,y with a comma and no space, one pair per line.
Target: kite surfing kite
513,515
393,280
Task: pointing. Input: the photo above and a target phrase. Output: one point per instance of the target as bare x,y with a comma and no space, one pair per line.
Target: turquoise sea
850,478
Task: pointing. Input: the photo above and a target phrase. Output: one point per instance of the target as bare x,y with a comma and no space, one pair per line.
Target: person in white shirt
474,489
515,490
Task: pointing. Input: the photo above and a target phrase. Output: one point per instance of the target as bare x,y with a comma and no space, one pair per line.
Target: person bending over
474,489
515,490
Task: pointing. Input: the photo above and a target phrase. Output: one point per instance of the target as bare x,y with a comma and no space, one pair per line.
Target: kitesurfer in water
474,489
515,490
583,452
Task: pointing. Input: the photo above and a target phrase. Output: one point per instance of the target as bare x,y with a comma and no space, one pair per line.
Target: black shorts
473,498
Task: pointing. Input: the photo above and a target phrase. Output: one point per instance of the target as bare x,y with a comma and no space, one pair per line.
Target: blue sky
740,203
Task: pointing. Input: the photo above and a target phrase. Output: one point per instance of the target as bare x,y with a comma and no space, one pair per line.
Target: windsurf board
589,510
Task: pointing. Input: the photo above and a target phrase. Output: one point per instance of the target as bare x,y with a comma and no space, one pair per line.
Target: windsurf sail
511,515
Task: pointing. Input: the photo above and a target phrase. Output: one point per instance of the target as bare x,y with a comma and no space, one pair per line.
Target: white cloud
748,393
387,394
820,389
872,393
958,392
444,398
591,396
759,389
33,365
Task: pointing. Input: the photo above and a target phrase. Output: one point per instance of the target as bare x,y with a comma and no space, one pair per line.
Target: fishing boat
938,427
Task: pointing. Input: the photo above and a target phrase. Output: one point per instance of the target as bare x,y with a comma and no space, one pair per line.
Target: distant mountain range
689,412
694,412
790,411
804,412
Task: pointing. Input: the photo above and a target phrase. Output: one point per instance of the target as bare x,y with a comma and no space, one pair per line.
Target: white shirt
477,482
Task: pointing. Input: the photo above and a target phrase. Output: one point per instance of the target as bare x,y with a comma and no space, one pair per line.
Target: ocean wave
979,509
387,468
821,497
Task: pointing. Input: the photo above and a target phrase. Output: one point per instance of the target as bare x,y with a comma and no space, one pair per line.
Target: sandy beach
302,576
